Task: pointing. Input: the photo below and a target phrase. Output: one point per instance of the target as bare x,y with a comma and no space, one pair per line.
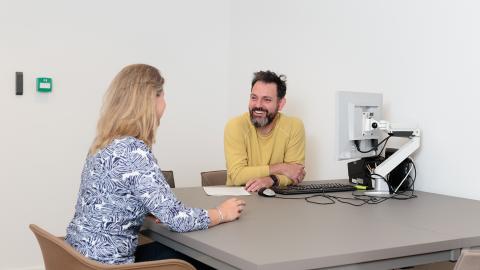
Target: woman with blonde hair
122,182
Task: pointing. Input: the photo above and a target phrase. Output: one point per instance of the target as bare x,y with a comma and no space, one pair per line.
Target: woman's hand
231,209
227,211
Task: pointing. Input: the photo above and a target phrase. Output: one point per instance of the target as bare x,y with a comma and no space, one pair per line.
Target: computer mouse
266,192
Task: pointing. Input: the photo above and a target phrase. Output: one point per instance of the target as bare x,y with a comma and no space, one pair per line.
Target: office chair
59,255
169,177
469,260
214,178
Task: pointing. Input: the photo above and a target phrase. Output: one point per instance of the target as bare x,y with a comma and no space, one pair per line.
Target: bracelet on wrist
219,214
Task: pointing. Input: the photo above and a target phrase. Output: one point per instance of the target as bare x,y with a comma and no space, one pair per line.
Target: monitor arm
382,170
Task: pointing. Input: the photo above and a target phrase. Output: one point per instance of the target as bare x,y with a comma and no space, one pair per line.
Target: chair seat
59,255
469,260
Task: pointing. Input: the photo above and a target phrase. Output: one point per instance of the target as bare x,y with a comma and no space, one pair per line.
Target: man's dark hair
271,77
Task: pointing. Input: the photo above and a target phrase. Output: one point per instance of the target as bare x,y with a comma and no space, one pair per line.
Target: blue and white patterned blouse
120,185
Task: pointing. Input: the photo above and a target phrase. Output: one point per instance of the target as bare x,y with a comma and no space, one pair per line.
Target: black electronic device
399,173
313,188
18,83
359,171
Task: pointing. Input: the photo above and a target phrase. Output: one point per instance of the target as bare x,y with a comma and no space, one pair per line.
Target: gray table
293,234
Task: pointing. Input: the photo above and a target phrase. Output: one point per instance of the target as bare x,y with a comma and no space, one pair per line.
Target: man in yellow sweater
265,147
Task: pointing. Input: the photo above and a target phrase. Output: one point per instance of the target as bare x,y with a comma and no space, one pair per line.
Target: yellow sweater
249,154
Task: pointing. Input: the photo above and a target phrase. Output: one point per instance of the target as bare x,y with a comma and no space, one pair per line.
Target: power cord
384,141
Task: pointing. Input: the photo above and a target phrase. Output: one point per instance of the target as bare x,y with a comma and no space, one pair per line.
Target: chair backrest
59,255
169,177
469,260
214,178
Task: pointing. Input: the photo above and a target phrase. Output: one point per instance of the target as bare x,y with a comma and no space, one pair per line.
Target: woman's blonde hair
129,106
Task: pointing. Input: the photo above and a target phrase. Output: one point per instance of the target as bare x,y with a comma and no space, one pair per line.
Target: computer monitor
352,109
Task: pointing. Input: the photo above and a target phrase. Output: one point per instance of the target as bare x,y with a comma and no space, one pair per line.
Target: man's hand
257,183
294,171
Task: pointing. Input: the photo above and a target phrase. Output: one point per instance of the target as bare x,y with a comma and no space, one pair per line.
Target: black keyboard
313,188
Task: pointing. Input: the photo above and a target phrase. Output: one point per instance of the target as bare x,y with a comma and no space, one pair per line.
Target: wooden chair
214,178
59,255
169,177
469,260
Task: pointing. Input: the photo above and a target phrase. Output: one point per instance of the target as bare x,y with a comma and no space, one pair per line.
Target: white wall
82,45
422,55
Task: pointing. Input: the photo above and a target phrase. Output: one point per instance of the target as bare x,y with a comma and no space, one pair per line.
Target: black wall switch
19,83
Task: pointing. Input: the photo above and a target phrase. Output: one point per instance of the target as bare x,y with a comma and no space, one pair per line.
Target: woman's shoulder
132,151
130,142
125,147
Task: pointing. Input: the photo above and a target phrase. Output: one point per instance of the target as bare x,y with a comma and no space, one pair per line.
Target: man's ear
281,103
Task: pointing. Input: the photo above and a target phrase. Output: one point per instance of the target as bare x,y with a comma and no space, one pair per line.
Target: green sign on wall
44,84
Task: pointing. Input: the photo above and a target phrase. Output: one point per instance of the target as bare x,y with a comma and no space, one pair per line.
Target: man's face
264,104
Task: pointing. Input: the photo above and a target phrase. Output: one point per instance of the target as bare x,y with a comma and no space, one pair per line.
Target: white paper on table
225,191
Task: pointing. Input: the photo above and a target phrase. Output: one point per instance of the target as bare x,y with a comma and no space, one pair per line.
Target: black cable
291,198
370,199
374,148
404,196
331,201
364,199
383,148
410,188
415,171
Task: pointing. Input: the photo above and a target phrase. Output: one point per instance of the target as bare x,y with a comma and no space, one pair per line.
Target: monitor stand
381,188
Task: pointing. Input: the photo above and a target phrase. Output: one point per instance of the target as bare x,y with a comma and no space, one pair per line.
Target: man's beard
264,121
